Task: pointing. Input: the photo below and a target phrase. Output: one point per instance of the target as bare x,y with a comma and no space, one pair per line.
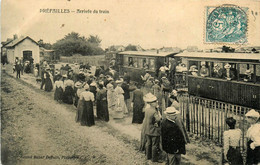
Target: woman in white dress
120,103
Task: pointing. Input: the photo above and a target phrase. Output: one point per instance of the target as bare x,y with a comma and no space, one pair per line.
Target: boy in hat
174,137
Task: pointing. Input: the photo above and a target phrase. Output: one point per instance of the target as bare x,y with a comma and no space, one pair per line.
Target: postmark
226,24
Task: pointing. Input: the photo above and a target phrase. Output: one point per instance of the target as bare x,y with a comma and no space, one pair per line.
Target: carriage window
145,63
204,69
258,74
151,64
130,61
217,70
246,72
135,62
193,69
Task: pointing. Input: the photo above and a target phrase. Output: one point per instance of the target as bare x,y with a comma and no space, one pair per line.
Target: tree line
73,43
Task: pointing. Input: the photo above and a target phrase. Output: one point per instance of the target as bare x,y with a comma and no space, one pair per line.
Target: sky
148,23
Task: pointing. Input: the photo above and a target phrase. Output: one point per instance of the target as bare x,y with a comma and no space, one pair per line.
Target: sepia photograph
130,82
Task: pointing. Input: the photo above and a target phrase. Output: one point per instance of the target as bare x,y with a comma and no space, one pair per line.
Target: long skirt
252,155
48,85
104,110
143,141
58,94
234,156
68,95
80,107
138,114
99,109
76,101
87,114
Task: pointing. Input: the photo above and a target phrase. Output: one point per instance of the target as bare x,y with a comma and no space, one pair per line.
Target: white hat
110,86
64,76
86,86
253,113
93,83
119,81
78,84
149,98
227,66
171,111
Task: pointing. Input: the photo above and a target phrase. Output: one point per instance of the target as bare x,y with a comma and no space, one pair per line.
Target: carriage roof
243,57
148,53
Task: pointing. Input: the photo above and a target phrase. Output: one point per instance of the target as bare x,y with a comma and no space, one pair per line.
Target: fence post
188,114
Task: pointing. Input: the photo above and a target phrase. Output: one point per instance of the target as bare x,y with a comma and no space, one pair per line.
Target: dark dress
234,156
253,156
80,107
102,107
48,83
87,114
68,95
58,93
138,114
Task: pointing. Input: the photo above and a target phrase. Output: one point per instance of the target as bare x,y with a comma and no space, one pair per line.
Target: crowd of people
116,97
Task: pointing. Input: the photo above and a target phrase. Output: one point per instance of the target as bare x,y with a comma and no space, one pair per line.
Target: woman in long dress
48,81
111,98
120,103
253,136
58,86
138,104
80,103
231,140
87,97
102,105
68,91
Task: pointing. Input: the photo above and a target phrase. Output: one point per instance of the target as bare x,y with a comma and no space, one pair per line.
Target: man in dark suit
174,136
151,126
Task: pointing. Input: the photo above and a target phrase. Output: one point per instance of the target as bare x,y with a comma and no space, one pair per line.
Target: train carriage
149,61
229,77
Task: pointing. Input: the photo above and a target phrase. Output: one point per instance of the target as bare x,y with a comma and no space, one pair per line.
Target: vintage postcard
130,82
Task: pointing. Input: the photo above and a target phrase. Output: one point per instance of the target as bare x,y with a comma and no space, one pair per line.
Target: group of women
232,141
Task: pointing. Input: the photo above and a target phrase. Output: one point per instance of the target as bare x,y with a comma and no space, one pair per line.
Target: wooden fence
206,118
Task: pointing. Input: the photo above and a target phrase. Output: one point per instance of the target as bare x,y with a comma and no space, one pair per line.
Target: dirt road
38,130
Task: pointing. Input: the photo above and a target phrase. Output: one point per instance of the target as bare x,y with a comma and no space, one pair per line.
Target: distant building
170,49
192,49
24,48
116,48
47,55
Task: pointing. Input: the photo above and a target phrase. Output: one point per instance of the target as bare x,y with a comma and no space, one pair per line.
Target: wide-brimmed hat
110,86
110,79
119,81
227,66
149,98
171,111
78,84
86,86
253,113
93,84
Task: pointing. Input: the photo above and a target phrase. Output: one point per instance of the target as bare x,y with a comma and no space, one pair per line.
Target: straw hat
119,81
78,85
171,111
86,86
93,84
253,113
227,66
149,98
